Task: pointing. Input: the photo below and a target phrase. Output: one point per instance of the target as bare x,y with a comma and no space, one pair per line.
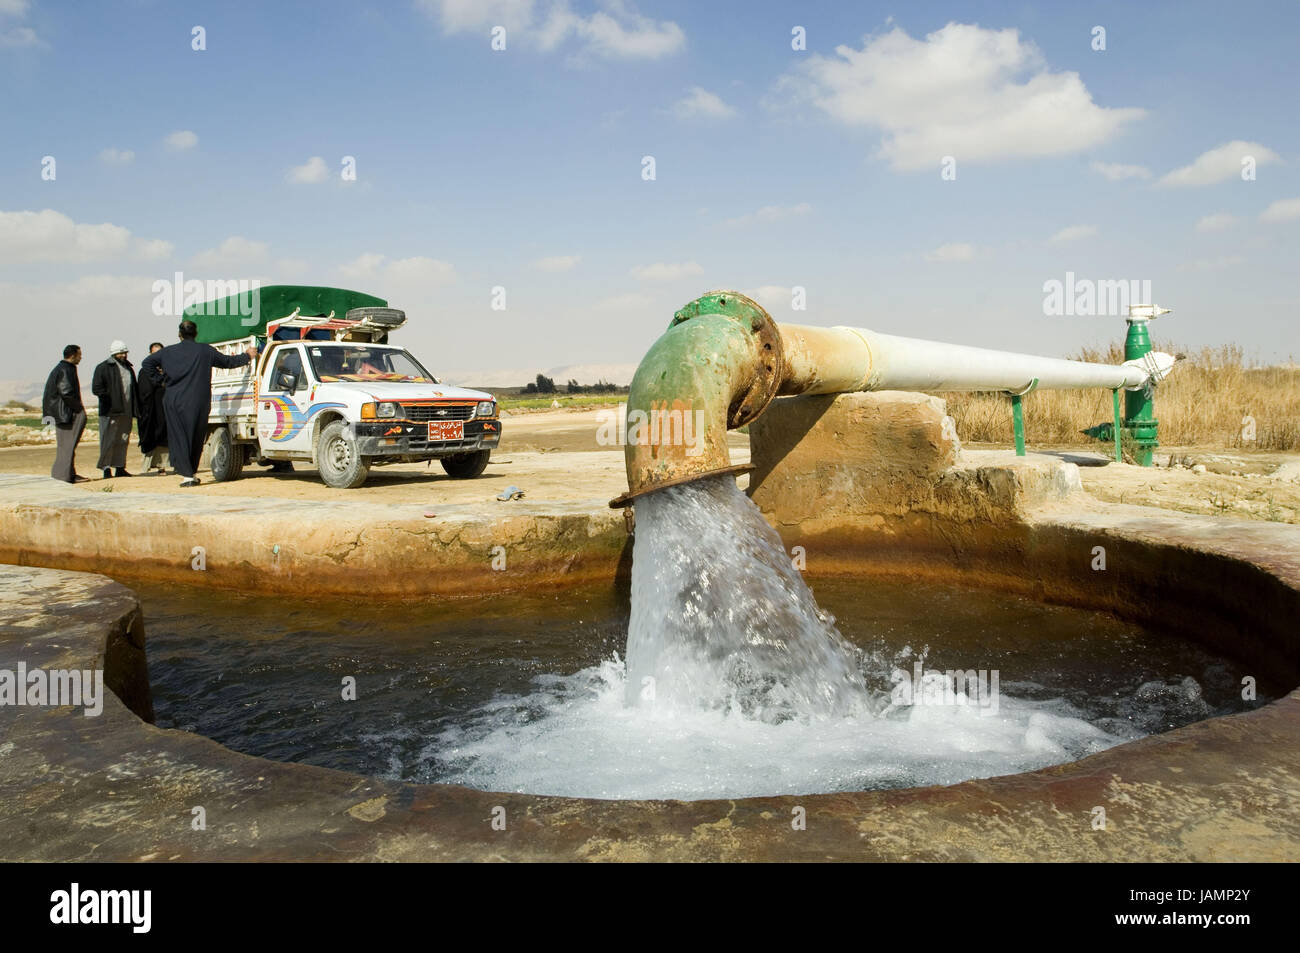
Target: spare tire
382,317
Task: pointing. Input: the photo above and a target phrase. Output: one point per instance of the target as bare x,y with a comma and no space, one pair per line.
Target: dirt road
556,455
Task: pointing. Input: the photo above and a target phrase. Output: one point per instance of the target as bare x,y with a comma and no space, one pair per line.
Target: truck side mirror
288,382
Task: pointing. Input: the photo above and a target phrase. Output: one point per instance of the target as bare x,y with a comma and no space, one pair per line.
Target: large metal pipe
723,360
836,360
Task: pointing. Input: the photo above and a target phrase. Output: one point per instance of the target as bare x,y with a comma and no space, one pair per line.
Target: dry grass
1204,402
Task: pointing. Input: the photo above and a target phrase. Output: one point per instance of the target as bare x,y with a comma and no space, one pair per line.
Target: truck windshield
361,362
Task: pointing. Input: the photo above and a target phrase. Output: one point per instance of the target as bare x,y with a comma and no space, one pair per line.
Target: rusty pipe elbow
717,367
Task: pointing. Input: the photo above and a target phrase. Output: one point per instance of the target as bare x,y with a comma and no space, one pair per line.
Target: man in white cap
119,404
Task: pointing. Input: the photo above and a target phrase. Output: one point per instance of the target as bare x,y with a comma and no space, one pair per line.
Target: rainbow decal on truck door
289,420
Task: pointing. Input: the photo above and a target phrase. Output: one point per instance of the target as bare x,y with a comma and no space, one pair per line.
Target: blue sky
775,168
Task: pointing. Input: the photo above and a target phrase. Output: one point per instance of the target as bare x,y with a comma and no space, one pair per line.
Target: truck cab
335,393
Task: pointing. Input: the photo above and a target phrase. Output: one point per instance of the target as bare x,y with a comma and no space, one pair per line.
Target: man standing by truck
188,398
114,385
61,407
153,420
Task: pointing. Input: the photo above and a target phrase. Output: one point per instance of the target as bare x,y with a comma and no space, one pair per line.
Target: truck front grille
423,412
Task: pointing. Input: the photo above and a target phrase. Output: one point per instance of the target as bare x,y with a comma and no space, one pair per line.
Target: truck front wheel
337,459
466,466
225,457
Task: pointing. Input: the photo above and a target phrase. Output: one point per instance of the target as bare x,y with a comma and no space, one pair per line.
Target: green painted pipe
716,368
1018,423
1116,429
1139,411
723,360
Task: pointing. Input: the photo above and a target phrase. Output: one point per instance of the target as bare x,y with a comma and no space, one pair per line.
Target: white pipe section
832,360
912,364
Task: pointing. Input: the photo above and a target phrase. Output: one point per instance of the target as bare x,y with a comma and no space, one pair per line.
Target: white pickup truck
334,393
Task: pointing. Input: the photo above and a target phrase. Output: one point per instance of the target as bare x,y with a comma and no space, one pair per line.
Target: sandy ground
550,456
555,456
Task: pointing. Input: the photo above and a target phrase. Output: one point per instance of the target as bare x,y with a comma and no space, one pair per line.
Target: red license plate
447,430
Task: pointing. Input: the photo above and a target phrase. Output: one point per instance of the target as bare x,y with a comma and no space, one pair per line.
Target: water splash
737,684
721,619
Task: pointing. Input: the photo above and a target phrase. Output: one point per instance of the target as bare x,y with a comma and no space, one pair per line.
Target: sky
924,169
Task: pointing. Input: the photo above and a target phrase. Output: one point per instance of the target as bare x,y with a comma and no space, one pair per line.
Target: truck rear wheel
225,457
337,459
466,466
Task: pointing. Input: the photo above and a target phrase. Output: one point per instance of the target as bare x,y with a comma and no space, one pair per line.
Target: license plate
447,430
414,431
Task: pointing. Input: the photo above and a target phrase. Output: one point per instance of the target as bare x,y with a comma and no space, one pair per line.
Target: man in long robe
187,401
152,426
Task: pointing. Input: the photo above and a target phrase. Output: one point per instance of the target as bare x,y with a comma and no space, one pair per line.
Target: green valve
1139,410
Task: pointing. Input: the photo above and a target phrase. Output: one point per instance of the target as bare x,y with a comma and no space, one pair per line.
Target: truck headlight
386,409
485,408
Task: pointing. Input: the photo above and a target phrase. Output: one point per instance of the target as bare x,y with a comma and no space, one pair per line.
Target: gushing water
721,619
737,684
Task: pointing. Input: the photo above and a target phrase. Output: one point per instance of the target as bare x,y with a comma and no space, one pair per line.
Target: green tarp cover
224,319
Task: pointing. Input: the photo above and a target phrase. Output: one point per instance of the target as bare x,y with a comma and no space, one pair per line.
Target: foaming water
578,736
725,678
737,683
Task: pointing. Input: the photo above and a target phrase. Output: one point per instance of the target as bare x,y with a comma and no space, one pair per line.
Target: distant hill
619,374
30,392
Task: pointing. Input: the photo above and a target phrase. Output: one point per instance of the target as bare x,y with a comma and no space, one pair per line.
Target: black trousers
186,433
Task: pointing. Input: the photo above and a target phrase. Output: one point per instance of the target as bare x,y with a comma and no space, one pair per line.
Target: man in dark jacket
61,407
153,420
188,400
114,385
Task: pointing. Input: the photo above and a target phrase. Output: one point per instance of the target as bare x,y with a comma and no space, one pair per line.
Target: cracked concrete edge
280,546
116,788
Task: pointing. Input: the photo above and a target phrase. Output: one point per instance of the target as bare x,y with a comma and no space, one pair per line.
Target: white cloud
312,172
556,263
1072,233
52,236
1116,171
963,91
1283,210
1216,222
233,254
954,251
117,156
773,298
702,104
664,271
363,266
151,249
770,213
181,139
618,32
14,8
427,272
1219,164
90,311
401,279
19,36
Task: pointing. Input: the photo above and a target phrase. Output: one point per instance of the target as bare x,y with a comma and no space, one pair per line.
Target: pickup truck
333,392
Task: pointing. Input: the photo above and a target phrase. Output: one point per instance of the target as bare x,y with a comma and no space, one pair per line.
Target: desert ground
554,455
